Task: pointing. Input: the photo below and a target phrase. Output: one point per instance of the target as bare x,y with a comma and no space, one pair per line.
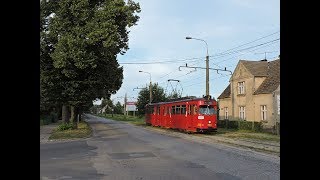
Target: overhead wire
219,55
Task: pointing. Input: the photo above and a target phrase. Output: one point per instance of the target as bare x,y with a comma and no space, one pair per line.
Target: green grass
83,131
131,119
233,133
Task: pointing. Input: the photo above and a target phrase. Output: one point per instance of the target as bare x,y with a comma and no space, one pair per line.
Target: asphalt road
120,151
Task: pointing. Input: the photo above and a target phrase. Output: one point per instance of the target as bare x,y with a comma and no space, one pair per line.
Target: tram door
158,116
184,117
191,115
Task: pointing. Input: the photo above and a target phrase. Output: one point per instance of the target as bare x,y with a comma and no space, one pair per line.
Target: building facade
253,93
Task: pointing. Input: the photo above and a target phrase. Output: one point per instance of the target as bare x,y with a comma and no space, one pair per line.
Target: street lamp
207,67
137,88
150,99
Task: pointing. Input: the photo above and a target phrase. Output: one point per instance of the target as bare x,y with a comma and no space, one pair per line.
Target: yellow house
253,93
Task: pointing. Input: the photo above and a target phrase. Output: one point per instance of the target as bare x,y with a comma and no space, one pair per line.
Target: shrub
44,120
233,124
228,124
258,126
65,126
245,125
222,123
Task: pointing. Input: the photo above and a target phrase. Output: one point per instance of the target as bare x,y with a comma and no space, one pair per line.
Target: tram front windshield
206,110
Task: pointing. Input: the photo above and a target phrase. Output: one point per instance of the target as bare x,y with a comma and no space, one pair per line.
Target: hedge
244,125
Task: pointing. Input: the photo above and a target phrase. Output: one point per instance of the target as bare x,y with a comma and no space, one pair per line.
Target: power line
232,52
163,62
250,50
249,42
219,55
188,59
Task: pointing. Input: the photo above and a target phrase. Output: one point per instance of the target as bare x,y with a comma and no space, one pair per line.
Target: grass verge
131,119
231,133
83,131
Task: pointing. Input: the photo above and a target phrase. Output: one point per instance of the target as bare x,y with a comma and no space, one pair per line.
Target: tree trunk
59,111
76,113
72,118
65,113
80,113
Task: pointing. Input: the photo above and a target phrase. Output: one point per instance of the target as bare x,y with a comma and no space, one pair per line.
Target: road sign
131,106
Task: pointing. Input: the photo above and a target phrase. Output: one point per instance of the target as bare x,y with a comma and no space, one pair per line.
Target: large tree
118,109
158,95
80,41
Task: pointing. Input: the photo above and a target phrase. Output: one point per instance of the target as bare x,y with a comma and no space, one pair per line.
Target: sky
233,30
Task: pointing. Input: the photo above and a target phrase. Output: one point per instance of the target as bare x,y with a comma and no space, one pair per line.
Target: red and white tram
190,115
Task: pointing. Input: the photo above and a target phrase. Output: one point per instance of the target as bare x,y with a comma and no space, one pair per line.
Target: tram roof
180,100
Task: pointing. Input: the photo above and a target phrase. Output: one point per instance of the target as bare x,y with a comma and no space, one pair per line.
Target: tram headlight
209,122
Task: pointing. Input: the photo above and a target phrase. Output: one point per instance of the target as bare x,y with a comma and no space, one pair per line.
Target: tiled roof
226,93
270,70
272,81
256,68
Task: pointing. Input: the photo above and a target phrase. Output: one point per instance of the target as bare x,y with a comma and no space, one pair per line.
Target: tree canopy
79,44
158,95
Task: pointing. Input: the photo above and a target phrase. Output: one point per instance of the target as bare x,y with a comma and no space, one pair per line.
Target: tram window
178,109
158,110
173,110
183,109
153,110
205,109
165,111
195,110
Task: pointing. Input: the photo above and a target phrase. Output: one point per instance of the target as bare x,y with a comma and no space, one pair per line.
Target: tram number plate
200,117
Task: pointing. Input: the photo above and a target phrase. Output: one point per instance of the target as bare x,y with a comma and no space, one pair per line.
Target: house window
241,87
263,112
226,113
242,112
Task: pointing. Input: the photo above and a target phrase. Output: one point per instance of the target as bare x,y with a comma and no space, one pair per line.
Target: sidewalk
45,132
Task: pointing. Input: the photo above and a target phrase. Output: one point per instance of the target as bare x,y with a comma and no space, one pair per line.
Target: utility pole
207,76
265,54
150,91
207,67
125,104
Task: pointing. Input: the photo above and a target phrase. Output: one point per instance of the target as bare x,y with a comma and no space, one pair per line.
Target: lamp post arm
205,68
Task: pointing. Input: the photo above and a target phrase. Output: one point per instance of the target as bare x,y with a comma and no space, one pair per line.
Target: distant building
253,93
